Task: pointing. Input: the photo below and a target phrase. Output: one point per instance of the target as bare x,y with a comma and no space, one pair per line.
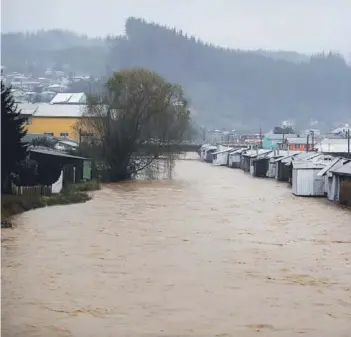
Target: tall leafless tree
137,120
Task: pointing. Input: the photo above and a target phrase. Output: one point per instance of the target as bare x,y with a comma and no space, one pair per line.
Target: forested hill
35,52
227,88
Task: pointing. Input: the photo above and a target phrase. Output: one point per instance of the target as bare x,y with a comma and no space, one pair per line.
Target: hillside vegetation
227,88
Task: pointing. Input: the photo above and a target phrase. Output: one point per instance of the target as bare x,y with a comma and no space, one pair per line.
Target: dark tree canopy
13,150
138,107
228,88
283,130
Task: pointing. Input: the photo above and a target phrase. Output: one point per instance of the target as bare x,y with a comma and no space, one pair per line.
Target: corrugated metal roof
238,151
278,136
29,137
222,151
57,110
209,147
266,155
61,98
255,153
330,166
306,155
342,129
54,153
69,98
344,170
307,165
27,108
297,140
78,98
332,145
284,158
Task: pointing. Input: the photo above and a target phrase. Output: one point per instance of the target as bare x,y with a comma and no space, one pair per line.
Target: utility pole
348,142
312,139
308,139
260,136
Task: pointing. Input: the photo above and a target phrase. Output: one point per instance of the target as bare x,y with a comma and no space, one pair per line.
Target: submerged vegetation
73,194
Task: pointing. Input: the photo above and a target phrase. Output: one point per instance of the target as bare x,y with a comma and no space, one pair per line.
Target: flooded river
212,252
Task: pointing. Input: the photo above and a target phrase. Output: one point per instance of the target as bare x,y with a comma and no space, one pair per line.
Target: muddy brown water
212,252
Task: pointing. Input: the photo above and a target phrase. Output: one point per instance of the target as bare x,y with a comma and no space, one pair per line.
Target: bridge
184,146
177,147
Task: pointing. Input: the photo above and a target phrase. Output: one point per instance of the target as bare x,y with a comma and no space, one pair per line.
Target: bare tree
136,121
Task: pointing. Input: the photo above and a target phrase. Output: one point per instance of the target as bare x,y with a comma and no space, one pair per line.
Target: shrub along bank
15,204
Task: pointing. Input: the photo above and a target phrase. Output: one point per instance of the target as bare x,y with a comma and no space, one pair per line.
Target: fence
31,190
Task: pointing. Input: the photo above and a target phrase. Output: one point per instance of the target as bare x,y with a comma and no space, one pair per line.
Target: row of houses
312,173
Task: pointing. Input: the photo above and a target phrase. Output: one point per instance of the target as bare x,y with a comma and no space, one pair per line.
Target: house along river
212,252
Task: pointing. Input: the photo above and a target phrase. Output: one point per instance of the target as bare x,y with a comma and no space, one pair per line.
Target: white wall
58,185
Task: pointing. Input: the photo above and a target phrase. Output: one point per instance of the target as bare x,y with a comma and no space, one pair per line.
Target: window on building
48,133
64,134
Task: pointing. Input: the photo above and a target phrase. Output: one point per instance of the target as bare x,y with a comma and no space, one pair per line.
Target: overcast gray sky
303,25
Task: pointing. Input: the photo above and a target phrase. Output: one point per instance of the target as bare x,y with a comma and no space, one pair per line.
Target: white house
327,175
221,157
333,146
206,152
340,175
235,158
305,179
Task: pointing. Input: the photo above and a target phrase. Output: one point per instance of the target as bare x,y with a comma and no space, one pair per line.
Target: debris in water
6,224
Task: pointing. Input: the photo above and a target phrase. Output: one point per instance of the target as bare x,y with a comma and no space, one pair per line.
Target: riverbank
16,204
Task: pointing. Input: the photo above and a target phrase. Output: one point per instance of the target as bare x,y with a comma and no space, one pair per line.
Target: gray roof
211,147
332,145
307,155
53,110
223,151
265,155
55,153
285,157
344,170
279,136
27,108
238,151
69,98
255,153
297,140
31,136
333,165
307,165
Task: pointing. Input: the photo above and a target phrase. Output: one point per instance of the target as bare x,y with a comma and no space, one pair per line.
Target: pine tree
13,150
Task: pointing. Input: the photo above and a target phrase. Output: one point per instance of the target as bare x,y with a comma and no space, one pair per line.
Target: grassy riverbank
15,204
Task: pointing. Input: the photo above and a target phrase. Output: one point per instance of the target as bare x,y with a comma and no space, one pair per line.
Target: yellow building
58,120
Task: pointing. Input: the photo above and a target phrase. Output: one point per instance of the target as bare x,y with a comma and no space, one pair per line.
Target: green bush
92,185
66,198
14,204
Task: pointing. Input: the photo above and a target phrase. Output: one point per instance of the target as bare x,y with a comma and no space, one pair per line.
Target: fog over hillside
248,67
